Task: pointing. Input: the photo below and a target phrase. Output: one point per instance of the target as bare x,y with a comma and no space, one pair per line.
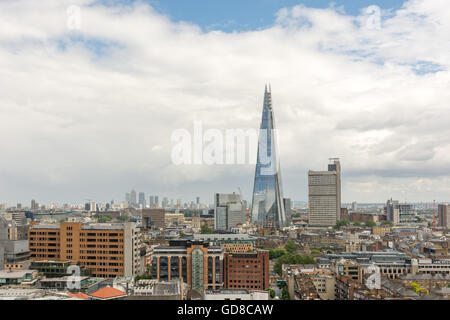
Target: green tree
285,294
370,224
104,218
341,223
142,277
276,253
290,246
271,292
204,229
387,222
292,259
122,218
315,251
357,224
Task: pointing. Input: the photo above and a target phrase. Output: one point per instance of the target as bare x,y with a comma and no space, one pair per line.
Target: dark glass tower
267,204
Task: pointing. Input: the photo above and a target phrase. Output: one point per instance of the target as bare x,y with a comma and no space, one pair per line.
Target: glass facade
267,203
163,269
197,270
174,267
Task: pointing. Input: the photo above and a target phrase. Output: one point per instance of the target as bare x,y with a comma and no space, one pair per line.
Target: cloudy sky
89,102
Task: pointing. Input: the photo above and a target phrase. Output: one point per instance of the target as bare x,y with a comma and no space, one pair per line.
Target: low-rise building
246,270
18,277
232,243
241,294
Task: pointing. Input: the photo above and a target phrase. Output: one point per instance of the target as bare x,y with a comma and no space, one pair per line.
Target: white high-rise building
229,211
325,195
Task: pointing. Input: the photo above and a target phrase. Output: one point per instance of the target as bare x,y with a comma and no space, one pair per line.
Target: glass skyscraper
267,203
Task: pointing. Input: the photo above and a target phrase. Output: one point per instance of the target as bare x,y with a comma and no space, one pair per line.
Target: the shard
267,203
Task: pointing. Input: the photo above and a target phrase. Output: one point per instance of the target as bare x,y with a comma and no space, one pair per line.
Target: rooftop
108,293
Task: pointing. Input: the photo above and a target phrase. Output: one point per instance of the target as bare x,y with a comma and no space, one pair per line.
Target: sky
92,92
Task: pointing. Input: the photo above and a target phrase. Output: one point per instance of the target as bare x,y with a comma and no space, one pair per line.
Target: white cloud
89,112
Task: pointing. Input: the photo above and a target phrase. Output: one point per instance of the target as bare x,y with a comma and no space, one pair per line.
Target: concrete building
229,211
430,266
349,269
133,201
246,270
399,212
107,250
288,210
444,215
142,203
174,219
18,277
324,189
16,255
225,294
153,218
232,243
322,278
154,290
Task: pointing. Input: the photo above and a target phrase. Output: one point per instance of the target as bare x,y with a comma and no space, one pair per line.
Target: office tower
267,203
153,218
142,202
444,215
133,200
392,211
196,262
324,189
197,200
165,203
156,202
399,212
128,198
151,202
196,222
91,207
74,241
288,209
34,205
228,212
237,274
354,206
19,206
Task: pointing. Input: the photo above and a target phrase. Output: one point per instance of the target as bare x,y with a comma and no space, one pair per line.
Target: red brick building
246,270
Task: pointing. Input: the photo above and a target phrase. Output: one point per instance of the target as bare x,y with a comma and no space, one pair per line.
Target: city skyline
88,123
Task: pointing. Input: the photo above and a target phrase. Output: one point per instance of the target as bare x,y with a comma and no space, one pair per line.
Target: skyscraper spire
267,204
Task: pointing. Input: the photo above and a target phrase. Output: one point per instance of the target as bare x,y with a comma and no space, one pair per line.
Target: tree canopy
290,246
204,229
387,222
370,224
341,223
292,259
